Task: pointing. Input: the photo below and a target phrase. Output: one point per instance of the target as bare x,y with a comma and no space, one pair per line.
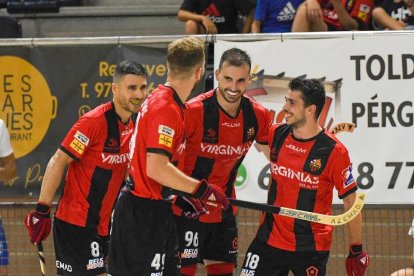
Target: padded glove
192,208
357,261
210,194
38,223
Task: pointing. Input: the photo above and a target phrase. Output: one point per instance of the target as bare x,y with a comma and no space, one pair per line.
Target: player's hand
357,261
314,10
211,194
38,223
209,25
192,208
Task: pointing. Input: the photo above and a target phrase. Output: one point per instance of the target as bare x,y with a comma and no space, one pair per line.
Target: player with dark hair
96,150
144,230
221,125
307,163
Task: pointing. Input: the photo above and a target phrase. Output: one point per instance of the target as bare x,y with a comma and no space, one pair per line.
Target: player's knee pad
220,269
188,270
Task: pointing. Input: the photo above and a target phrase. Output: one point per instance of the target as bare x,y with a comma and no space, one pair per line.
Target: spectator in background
215,16
333,15
408,271
394,15
274,16
7,171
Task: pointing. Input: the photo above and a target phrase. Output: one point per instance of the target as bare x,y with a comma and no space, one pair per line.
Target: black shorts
207,241
262,260
79,251
143,233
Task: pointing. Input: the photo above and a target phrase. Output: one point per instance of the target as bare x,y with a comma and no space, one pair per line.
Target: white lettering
114,158
289,173
63,266
226,149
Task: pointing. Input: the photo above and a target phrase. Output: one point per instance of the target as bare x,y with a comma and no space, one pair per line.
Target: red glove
38,223
357,261
192,208
209,194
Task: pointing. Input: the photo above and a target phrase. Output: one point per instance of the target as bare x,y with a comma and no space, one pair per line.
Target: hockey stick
41,258
305,215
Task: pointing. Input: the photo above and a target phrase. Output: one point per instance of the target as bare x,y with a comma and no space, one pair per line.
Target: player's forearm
186,15
355,225
248,22
51,180
162,171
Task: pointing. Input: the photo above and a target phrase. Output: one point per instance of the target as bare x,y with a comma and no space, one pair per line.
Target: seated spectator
215,16
394,15
274,16
333,15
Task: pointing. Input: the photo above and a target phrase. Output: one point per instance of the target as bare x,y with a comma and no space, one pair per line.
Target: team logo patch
166,131
312,271
315,165
347,176
250,133
82,138
165,140
77,146
363,12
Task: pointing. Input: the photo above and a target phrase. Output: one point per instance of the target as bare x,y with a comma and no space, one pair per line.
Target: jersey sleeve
5,146
264,121
260,12
80,137
164,130
342,173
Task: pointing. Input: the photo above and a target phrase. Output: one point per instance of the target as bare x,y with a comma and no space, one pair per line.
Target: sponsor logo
157,273
115,158
181,147
95,263
225,149
189,253
347,176
226,124
235,243
77,146
165,140
81,138
61,265
291,174
127,132
312,271
247,272
295,148
166,131
287,14
250,133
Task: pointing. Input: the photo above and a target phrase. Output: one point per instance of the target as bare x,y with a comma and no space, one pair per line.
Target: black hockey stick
305,215
41,258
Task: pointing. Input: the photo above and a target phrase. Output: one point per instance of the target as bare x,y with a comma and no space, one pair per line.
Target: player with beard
221,125
307,163
96,150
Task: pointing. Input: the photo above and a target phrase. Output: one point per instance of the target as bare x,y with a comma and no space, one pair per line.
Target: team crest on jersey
250,133
315,165
77,146
165,140
347,176
82,138
166,131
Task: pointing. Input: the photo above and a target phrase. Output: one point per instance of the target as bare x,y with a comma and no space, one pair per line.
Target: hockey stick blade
41,258
305,215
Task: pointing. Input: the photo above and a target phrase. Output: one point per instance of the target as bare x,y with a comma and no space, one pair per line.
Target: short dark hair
313,92
126,67
235,57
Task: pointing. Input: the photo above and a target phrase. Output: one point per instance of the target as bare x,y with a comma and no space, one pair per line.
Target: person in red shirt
333,15
96,150
144,230
221,126
307,163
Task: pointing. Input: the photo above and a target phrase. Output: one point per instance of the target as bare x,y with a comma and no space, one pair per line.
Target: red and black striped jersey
98,142
159,129
216,143
304,174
